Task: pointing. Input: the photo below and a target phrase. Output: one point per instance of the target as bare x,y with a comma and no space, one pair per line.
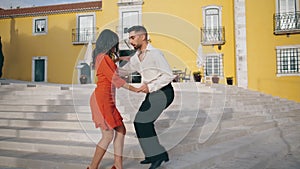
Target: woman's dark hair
105,42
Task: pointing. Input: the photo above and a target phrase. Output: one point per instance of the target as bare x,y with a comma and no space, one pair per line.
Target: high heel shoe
113,167
146,161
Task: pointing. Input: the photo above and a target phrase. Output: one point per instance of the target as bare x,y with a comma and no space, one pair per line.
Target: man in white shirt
156,78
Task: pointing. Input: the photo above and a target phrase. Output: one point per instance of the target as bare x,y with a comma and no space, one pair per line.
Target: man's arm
165,76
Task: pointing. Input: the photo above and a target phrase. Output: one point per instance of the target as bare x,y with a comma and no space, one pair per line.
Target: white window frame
288,59
205,8
278,7
220,58
128,8
34,32
78,27
33,67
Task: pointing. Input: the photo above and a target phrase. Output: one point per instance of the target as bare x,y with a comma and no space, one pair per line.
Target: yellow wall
261,44
174,27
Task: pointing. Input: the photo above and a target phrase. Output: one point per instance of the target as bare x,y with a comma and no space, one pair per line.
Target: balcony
213,36
84,35
287,23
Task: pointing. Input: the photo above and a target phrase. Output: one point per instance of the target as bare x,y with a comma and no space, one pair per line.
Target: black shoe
157,163
146,161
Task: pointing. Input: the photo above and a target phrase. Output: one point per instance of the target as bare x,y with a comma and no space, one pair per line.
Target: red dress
104,112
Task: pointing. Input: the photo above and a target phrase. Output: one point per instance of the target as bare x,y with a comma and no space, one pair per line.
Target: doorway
39,69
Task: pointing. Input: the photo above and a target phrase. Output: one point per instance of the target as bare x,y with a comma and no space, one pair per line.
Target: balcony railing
84,35
286,23
213,36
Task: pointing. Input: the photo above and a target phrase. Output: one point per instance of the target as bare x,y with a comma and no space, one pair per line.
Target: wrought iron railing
84,35
213,36
285,23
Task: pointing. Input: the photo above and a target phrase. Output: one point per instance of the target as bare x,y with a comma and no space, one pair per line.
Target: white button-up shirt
154,68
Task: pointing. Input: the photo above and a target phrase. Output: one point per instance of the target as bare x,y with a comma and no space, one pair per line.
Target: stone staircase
48,126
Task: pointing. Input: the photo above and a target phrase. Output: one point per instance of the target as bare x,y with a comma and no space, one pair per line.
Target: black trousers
150,109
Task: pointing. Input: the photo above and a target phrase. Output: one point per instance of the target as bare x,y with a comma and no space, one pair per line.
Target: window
130,14
287,17
40,26
213,32
214,65
285,6
288,60
129,19
212,17
86,29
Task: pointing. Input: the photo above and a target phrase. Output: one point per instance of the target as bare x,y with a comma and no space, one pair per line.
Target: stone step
14,97
82,147
84,134
41,102
45,115
45,161
41,92
47,146
44,124
203,158
6,167
86,150
265,154
212,123
196,138
46,108
38,140
78,121
289,161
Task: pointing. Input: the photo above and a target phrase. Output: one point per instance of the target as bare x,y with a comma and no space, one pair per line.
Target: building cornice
51,9
130,2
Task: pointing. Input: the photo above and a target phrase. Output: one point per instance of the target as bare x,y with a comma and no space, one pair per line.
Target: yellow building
257,43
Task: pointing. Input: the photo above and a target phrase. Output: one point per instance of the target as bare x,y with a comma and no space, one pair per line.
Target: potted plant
197,76
215,79
229,80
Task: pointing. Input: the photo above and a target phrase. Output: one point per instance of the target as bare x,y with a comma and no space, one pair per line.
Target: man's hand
144,88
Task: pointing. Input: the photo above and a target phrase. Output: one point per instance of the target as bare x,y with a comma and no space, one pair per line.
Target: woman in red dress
104,112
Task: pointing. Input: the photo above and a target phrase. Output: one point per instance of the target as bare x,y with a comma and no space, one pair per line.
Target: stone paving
255,131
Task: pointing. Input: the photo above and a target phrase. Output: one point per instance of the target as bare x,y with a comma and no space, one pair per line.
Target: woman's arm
125,58
130,87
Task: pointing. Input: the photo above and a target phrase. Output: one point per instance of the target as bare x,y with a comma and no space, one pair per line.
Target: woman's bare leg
118,146
107,137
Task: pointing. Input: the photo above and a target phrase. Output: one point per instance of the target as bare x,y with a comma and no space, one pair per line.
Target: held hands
144,88
125,58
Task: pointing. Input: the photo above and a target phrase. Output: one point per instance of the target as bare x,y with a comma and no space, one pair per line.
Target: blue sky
7,4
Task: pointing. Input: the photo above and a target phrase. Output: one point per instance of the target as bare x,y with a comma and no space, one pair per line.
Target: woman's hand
125,58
